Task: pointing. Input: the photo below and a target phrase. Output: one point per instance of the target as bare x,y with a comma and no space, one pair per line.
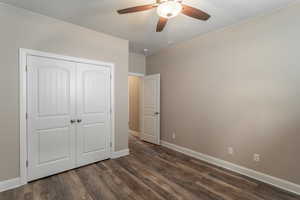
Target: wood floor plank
154,180
182,178
116,185
133,182
216,172
250,184
42,189
93,184
74,186
150,172
24,193
7,195
211,183
268,192
200,166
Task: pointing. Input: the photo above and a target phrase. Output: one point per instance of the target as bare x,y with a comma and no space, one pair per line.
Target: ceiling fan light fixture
169,9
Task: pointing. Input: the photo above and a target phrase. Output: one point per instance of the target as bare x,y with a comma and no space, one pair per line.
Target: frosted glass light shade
169,9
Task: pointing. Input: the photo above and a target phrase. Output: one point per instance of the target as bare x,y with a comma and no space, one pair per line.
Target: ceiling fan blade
161,24
136,9
194,12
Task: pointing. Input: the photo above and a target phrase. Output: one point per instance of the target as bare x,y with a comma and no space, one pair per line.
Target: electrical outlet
173,135
230,150
256,157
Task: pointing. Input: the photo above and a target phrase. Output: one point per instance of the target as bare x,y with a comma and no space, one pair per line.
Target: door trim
136,74
23,53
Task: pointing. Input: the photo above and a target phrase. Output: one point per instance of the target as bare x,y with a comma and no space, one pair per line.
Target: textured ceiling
139,28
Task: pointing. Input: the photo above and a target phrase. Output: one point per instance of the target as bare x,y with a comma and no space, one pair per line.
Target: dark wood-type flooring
150,172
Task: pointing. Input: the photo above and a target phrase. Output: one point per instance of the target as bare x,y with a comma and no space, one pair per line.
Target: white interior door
51,106
93,111
150,125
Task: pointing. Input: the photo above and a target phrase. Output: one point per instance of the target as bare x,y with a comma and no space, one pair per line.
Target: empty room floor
150,172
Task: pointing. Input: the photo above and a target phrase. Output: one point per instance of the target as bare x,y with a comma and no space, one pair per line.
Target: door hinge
26,163
26,116
110,144
110,76
26,68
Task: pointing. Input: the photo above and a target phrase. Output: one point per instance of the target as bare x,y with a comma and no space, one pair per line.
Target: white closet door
51,106
93,111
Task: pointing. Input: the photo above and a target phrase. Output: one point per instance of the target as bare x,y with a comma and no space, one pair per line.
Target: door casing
23,53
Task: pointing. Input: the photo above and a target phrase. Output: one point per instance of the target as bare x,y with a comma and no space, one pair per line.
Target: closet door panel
93,111
51,106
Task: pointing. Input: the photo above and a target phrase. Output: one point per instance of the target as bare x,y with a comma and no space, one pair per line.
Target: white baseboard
9,184
118,154
277,182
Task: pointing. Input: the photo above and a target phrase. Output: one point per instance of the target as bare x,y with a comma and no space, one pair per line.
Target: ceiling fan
167,9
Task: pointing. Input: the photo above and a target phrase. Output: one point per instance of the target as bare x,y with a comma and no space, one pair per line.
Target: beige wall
137,63
23,29
134,103
237,87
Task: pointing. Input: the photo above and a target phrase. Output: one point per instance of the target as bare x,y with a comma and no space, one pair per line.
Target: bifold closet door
51,106
93,111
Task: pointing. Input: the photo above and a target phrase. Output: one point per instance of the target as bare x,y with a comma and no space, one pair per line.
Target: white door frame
136,74
23,53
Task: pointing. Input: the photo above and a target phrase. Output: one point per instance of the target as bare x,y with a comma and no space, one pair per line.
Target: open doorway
134,90
144,107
